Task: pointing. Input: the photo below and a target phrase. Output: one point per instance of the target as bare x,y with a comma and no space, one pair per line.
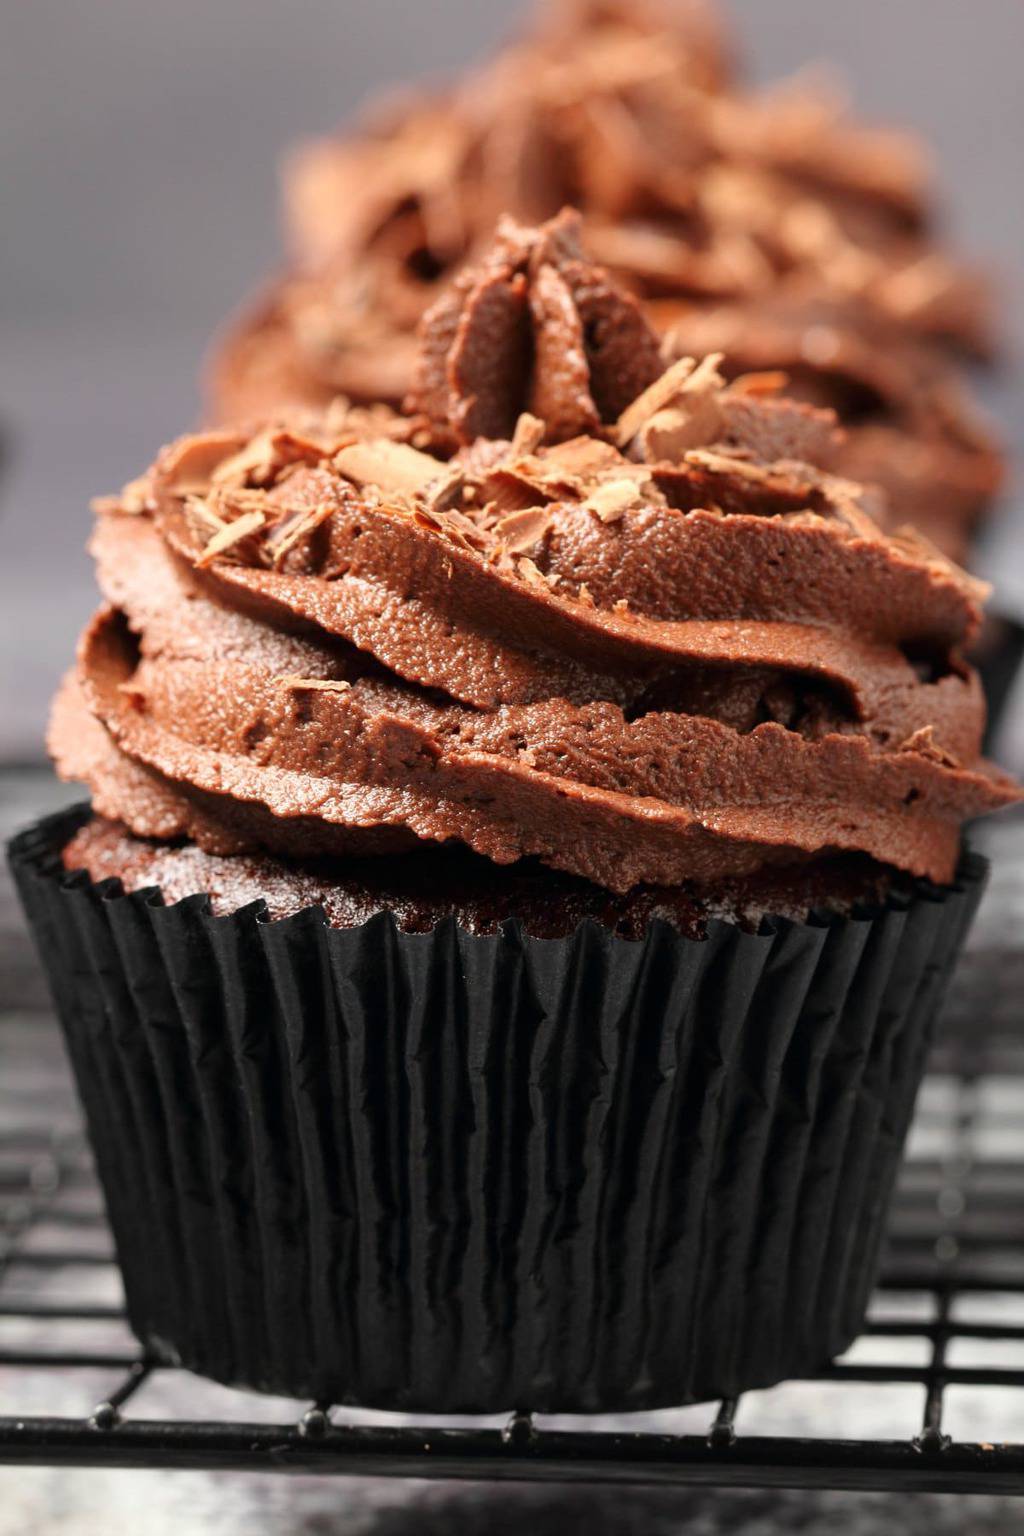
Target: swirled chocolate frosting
568,606
765,225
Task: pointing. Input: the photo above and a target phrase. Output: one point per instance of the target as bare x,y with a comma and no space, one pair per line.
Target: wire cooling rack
946,1329
930,1398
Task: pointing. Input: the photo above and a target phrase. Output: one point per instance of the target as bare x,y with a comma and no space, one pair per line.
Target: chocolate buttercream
534,328
667,648
759,223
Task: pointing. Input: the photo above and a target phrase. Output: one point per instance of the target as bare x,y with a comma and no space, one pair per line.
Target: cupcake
523,868
761,224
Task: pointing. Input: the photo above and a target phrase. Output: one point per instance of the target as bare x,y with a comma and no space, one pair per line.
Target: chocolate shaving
582,456
531,573
528,434
201,518
923,741
294,528
740,468
186,467
670,433
846,501
609,501
511,491
392,467
263,458
654,398
231,534
448,491
462,529
427,520
314,684
522,530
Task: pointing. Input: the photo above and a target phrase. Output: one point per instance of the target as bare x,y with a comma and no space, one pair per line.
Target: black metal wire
957,1230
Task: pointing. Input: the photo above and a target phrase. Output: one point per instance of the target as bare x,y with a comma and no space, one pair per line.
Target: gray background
139,144
137,204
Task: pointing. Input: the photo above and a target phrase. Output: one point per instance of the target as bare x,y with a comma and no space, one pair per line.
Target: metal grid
953,1282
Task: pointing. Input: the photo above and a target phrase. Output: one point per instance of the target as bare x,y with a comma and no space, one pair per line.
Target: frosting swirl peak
534,328
624,624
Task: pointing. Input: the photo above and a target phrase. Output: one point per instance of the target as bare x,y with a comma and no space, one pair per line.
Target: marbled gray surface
192,1504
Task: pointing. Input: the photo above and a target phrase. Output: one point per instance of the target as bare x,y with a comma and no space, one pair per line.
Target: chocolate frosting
534,328
767,216
668,647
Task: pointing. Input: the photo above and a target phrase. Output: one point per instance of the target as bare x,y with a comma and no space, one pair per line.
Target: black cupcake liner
998,664
453,1173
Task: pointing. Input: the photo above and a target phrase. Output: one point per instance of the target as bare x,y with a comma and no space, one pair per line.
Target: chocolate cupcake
763,225
524,864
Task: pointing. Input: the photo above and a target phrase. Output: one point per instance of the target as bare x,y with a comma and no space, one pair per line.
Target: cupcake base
447,1171
420,889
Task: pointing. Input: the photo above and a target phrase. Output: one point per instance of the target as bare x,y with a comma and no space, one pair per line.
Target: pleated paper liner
447,1172
998,656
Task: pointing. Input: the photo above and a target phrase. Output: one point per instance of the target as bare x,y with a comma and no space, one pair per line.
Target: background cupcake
593,745
763,224
111,292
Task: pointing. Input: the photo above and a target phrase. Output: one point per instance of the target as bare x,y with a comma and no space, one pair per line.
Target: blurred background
139,145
